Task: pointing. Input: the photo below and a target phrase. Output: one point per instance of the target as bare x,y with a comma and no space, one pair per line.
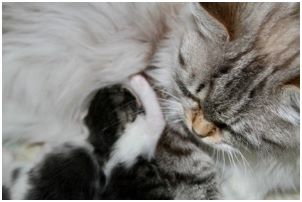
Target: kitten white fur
141,136
55,56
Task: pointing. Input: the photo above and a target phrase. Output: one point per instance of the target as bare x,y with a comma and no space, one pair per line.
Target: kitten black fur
73,174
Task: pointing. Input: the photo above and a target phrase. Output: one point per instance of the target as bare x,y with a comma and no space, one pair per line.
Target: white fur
19,188
56,55
8,162
140,137
137,140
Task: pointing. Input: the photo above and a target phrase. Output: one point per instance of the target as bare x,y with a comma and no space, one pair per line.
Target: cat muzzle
198,125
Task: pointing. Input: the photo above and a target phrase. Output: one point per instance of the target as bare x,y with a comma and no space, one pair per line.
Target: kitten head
233,79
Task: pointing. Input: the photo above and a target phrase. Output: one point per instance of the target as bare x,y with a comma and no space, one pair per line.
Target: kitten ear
215,20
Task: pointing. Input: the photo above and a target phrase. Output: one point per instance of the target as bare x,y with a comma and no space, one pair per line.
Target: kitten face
233,91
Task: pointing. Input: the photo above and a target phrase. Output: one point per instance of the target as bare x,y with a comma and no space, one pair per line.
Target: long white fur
50,74
141,136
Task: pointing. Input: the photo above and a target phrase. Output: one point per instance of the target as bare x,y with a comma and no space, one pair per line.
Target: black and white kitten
124,135
123,141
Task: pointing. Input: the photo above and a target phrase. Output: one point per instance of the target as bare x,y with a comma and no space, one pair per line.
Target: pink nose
198,124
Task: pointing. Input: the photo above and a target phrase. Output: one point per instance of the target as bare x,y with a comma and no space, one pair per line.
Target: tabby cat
231,84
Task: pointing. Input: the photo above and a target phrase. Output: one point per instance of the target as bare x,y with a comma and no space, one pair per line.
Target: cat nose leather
202,127
199,125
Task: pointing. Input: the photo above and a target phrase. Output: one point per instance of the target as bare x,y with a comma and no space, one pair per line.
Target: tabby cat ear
215,20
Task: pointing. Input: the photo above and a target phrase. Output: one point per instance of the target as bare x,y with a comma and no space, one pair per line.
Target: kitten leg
141,88
140,137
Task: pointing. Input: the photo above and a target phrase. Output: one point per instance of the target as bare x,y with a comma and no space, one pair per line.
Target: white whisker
167,93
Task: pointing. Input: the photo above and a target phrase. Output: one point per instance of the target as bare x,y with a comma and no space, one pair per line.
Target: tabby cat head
233,80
